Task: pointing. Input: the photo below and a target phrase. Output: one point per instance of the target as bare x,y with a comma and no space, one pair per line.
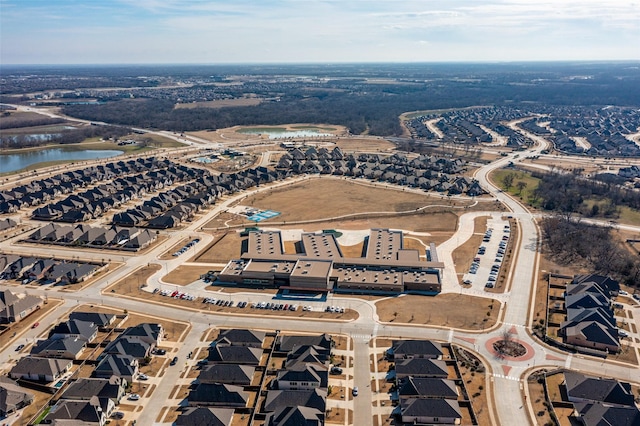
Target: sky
316,31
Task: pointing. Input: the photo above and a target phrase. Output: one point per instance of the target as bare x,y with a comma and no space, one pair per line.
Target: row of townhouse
89,400
113,237
590,321
599,401
425,391
233,373
42,190
170,208
45,271
97,201
424,172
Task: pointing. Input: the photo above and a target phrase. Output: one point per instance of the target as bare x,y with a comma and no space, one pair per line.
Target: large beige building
386,268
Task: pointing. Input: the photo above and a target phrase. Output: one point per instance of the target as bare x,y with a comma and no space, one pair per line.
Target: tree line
567,192
570,241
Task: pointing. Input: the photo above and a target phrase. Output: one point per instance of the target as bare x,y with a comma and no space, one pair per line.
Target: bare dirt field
356,144
184,275
443,309
325,198
222,103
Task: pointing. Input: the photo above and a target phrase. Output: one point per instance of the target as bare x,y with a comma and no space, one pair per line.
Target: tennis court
264,215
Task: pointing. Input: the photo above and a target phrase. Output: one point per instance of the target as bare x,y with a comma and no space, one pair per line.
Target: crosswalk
361,337
502,376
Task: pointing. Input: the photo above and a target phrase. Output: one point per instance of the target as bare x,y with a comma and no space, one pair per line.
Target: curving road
505,379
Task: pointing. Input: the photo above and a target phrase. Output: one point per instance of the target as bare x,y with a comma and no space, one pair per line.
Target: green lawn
529,181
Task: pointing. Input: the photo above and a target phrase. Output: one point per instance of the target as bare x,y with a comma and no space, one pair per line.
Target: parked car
354,391
19,348
133,397
35,324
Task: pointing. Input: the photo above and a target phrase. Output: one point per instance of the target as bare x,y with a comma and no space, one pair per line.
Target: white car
143,377
133,397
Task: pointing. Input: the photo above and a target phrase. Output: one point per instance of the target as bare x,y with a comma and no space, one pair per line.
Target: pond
13,162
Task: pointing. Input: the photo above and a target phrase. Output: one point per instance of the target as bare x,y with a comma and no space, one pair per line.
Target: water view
13,162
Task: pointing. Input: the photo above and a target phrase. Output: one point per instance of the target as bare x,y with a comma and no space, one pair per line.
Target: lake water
13,162
283,133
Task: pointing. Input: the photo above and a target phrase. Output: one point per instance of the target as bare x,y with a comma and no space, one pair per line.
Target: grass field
519,176
326,198
444,310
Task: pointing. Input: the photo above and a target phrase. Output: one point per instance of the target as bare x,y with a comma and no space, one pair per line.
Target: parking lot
487,264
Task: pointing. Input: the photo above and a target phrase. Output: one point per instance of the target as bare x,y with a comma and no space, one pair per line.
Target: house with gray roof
241,337
82,330
101,319
406,349
89,412
84,388
583,388
430,411
600,413
150,333
426,387
295,416
67,347
129,345
13,397
232,374
421,367
218,394
14,307
124,366
205,416
277,399
40,369
302,377
235,354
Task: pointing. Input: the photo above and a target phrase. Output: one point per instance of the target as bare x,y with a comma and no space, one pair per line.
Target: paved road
505,380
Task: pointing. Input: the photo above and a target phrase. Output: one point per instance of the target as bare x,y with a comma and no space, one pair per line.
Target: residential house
40,369
14,307
66,347
114,388
12,397
582,388
218,394
295,416
241,337
407,349
277,399
232,374
245,355
430,411
85,412
123,366
205,416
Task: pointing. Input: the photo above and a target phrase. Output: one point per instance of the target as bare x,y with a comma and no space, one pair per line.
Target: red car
35,324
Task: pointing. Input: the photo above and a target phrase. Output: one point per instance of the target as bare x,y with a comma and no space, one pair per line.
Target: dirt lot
536,393
325,198
184,275
443,309
225,246
222,103
364,144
